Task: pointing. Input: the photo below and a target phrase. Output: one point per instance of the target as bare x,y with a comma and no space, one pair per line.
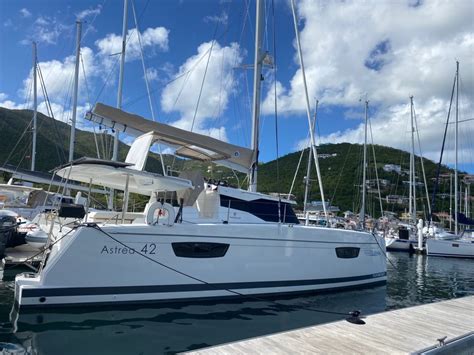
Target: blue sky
382,51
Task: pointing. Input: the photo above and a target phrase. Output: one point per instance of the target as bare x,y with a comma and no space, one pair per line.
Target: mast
456,153
120,83
257,78
308,169
364,186
72,140
412,200
422,165
35,109
308,113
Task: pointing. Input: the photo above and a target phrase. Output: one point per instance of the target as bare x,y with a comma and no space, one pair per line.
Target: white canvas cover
140,182
190,145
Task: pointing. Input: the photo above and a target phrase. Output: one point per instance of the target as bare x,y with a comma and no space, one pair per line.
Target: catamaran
219,242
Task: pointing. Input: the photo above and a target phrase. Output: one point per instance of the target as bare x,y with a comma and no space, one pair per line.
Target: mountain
340,164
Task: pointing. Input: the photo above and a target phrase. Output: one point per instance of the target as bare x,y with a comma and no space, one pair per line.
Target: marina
401,331
236,177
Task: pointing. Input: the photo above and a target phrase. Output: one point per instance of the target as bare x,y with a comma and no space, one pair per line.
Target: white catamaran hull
164,263
456,248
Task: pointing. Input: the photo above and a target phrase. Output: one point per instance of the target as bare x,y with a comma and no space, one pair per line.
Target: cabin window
264,209
455,245
199,250
347,252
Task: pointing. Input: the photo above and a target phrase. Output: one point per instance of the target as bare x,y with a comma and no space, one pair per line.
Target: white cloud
222,19
152,74
181,95
11,105
47,30
58,75
8,23
151,38
25,13
391,127
89,12
3,96
387,51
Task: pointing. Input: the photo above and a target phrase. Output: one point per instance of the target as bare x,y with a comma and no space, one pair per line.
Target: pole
308,168
257,78
364,168
456,153
120,83
412,208
308,113
420,235
450,201
72,140
35,108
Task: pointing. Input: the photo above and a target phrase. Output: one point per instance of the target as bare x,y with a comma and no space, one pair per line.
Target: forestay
189,145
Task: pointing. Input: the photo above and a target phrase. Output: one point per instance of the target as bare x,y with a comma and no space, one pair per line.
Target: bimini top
114,175
189,145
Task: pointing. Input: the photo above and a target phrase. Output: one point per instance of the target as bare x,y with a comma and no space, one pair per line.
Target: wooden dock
400,331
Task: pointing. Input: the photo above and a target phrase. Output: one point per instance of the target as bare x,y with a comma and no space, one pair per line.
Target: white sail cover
189,145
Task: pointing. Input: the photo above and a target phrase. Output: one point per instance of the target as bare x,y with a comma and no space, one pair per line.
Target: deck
22,255
400,331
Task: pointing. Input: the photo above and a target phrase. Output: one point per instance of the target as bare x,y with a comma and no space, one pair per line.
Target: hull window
199,250
347,252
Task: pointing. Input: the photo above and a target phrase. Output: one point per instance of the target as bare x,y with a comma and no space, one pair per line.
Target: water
180,327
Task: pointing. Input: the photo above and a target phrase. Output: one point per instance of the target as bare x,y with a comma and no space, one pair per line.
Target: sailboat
457,245
406,237
220,242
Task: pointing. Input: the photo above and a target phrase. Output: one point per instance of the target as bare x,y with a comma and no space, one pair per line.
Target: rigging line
27,128
90,26
134,100
340,175
204,77
438,170
146,82
89,102
96,227
296,171
422,164
375,167
59,147
114,66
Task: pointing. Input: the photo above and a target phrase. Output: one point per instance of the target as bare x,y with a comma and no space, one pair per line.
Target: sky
198,56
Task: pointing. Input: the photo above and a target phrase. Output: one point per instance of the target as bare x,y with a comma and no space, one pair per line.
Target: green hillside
341,171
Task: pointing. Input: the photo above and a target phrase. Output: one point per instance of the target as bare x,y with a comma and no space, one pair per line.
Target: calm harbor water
412,280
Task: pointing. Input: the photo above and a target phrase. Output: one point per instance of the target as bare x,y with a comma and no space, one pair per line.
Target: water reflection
179,327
